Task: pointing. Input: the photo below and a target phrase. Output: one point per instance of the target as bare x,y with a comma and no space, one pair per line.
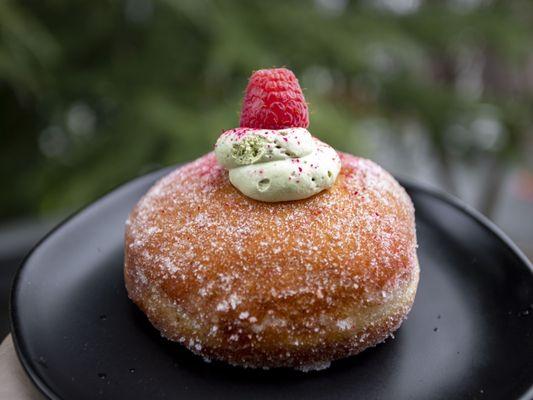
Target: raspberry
274,100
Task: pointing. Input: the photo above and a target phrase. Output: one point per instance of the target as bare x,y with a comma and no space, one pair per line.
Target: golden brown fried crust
273,284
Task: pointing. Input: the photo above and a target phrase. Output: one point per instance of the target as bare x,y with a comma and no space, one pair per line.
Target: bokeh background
94,93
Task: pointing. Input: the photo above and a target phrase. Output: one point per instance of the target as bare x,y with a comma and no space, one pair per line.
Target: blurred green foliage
94,93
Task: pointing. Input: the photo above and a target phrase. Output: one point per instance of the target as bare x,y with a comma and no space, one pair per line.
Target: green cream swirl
277,165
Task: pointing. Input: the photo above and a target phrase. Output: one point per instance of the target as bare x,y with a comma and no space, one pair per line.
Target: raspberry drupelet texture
274,100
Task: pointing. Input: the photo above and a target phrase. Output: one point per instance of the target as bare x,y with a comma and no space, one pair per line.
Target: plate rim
14,320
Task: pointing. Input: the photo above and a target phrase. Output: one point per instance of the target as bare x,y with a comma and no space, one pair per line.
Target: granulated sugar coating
295,284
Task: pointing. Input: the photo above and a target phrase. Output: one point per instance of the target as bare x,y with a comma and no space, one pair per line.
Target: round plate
469,334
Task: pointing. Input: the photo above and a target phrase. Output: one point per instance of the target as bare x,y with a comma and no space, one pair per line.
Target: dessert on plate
274,250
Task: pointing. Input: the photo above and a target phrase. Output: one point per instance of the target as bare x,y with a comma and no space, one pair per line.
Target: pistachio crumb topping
248,150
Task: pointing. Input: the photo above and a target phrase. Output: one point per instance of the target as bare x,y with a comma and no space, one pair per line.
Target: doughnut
263,285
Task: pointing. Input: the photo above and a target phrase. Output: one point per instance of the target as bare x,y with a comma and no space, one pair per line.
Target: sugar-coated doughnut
288,284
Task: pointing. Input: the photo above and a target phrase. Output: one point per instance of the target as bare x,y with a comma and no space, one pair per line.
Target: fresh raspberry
274,100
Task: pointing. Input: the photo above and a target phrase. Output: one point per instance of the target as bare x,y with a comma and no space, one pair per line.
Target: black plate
469,335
